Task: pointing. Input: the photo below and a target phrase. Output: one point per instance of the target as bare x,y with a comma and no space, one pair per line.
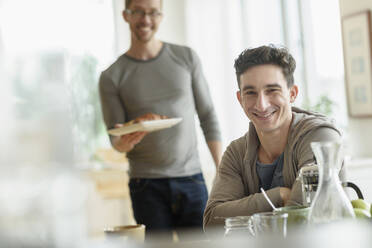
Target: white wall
173,28
359,130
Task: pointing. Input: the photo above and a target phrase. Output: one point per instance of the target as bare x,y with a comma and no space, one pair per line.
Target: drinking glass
270,223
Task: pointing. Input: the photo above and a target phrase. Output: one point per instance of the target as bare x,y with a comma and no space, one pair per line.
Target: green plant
86,109
323,104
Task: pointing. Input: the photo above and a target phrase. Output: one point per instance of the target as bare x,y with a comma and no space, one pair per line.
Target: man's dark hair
128,2
263,55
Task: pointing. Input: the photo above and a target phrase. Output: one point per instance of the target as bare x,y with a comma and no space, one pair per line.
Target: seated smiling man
276,145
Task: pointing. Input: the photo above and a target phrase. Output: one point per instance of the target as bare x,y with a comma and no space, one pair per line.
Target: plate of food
144,126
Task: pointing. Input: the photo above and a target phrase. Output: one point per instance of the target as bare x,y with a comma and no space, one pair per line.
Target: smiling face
266,98
143,28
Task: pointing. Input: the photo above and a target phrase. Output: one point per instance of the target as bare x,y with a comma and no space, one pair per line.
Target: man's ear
239,96
125,15
293,92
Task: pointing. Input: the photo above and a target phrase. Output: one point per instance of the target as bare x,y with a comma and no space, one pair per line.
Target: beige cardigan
235,191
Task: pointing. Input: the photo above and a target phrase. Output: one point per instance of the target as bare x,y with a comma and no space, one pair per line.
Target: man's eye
154,13
138,12
272,90
249,93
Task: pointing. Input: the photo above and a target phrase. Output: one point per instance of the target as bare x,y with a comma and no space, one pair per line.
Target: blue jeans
168,204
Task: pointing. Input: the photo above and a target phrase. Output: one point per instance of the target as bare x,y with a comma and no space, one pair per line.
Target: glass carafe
330,202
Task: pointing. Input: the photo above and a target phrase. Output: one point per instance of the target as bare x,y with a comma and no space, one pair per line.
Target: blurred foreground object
135,233
42,194
342,234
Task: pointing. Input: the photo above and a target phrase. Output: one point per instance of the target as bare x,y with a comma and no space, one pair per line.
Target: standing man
156,80
276,145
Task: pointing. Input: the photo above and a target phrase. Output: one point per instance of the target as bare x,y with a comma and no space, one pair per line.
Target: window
53,52
313,31
310,29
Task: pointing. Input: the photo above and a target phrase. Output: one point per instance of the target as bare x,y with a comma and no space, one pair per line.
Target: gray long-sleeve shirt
170,84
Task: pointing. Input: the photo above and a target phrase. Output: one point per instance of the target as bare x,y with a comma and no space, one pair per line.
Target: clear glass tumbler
238,227
270,223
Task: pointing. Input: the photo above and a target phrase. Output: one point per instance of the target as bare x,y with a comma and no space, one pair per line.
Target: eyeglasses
153,14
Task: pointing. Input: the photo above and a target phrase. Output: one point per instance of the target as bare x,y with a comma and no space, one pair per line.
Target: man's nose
146,18
262,102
